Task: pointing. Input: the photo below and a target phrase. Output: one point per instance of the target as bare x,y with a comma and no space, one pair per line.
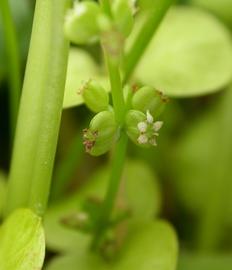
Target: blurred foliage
151,244
187,177
137,179
22,12
190,55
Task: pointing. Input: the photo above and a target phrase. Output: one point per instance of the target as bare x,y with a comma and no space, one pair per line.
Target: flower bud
95,96
100,136
149,99
123,16
141,128
81,25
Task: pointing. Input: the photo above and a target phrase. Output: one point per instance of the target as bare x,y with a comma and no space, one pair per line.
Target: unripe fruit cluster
142,107
86,22
147,104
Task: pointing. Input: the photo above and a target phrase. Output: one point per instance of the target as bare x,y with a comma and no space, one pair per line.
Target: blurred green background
190,59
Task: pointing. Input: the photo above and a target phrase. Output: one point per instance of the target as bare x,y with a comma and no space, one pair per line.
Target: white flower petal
149,117
157,125
142,126
142,139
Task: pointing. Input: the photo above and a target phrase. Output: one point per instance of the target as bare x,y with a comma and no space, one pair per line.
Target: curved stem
13,62
154,17
40,109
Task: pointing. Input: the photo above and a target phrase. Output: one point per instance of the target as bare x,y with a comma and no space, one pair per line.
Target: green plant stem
121,146
13,62
40,109
116,89
144,36
114,182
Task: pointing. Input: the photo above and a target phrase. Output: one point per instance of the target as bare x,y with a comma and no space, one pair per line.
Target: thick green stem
150,25
40,109
13,62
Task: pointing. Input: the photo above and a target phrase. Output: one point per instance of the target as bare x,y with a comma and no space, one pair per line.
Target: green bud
123,16
141,128
95,96
100,136
148,99
81,25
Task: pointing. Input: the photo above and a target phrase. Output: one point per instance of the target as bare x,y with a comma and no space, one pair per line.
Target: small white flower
142,139
142,126
157,125
149,117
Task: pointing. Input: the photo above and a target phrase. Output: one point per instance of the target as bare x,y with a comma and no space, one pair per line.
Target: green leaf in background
22,241
203,170
81,67
221,8
2,192
150,245
139,192
205,262
190,55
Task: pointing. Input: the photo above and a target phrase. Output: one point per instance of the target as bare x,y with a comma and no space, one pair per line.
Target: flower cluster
87,23
148,130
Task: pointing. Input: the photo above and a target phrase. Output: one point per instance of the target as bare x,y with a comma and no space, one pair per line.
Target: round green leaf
139,192
149,246
152,245
221,8
22,241
81,67
190,55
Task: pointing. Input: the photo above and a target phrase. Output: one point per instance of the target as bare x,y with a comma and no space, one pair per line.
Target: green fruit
123,16
149,99
100,136
81,25
95,96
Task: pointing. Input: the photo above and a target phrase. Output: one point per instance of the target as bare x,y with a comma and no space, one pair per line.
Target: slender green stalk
13,62
131,60
121,146
40,109
116,89
114,182
150,25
